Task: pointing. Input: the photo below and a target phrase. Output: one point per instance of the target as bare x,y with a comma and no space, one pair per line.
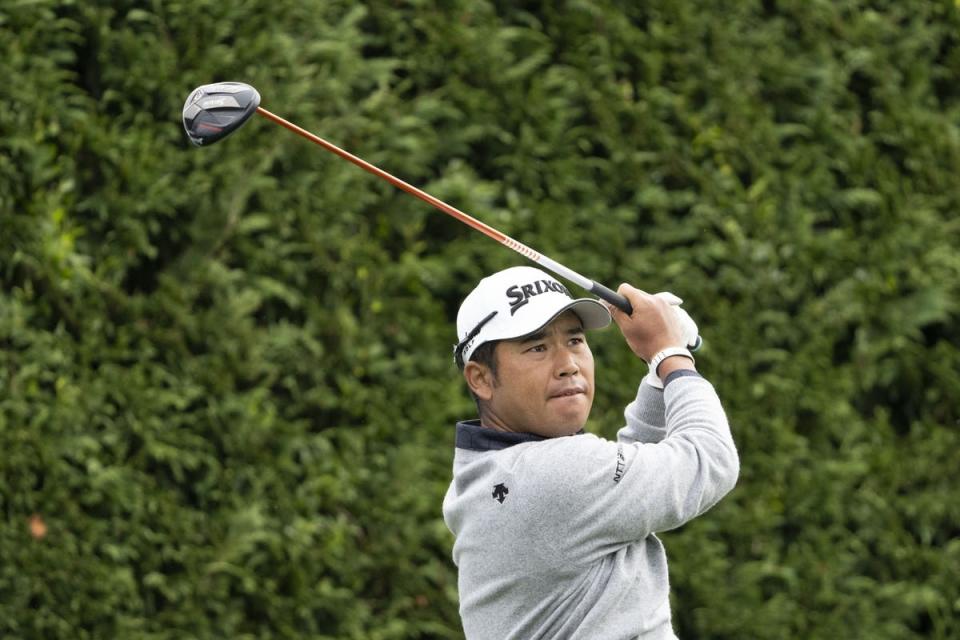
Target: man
555,527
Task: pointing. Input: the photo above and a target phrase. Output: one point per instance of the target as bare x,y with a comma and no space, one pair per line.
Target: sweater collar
472,436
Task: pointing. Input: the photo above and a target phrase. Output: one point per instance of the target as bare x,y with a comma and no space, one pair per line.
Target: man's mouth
572,391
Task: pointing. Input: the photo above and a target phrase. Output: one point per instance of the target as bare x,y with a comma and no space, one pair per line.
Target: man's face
544,382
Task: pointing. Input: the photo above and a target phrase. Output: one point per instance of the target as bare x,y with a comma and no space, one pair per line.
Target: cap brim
592,314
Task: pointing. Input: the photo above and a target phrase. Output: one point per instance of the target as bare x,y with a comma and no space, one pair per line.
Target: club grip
612,297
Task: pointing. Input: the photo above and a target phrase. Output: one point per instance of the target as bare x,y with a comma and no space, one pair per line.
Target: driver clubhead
213,111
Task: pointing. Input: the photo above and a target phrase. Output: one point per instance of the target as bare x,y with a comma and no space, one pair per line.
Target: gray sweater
555,537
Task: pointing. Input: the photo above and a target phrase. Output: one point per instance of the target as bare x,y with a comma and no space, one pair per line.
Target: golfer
555,528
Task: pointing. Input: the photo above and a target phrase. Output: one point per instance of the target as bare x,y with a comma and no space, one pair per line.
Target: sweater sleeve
600,493
645,417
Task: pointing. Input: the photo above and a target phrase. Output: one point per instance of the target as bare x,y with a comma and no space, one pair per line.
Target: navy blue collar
470,435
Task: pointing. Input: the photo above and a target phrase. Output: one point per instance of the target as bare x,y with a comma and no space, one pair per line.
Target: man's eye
539,348
577,341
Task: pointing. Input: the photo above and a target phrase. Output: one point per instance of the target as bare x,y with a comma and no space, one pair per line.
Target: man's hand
655,324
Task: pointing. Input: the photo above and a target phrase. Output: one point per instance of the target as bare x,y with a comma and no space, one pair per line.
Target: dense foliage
226,390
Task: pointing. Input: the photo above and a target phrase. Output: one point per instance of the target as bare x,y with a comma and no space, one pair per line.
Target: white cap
514,303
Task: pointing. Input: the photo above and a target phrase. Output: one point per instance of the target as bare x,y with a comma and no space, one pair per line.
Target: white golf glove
691,334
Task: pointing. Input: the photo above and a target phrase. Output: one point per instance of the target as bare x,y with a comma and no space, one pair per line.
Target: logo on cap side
520,294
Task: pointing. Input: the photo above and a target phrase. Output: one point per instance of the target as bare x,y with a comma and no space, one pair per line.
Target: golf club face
214,111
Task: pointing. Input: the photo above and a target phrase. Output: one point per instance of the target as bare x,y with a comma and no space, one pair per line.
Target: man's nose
567,364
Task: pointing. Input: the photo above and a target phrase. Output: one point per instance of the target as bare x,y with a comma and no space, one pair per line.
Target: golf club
213,111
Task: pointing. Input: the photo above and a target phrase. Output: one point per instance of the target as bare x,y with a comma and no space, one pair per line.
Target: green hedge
225,375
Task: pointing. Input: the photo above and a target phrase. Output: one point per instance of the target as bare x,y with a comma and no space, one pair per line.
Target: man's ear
480,379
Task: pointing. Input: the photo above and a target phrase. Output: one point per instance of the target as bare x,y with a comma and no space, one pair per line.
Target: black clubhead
213,111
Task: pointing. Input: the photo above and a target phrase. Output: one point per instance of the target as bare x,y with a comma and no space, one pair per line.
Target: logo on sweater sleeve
500,492
621,464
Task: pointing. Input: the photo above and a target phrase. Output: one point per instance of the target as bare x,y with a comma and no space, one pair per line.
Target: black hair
485,354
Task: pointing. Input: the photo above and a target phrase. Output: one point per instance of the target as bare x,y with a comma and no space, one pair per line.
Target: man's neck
494,422
490,421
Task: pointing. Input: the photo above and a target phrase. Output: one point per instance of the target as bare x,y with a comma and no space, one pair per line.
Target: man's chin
569,425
